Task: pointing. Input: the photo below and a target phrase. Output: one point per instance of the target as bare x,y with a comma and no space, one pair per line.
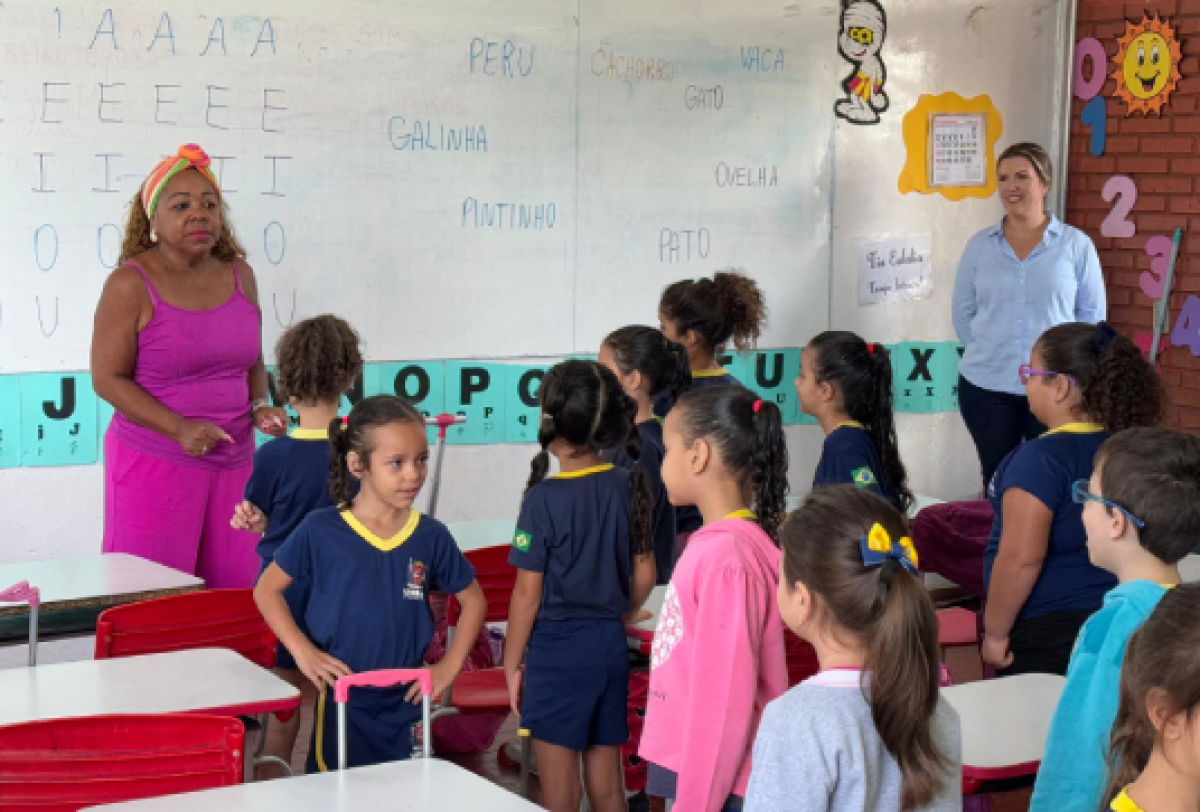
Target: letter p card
475,389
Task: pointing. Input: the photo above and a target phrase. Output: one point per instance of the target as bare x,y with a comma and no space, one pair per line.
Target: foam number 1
1117,223
1187,327
1095,117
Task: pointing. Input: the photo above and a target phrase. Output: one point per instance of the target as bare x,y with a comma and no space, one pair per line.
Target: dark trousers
1043,645
998,422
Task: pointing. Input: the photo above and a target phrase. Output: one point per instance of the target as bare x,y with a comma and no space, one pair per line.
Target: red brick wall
1162,155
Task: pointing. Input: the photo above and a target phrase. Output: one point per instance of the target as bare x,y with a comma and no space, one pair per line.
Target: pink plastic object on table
384,679
24,593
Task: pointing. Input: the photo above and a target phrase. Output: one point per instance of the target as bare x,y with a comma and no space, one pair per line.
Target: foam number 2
1152,281
1117,223
1187,327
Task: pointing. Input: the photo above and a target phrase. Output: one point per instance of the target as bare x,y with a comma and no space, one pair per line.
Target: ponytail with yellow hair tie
878,547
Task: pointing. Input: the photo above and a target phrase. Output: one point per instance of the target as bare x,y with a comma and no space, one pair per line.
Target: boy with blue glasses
1142,517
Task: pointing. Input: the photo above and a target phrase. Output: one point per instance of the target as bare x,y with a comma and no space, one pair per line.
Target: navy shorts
577,683
296,597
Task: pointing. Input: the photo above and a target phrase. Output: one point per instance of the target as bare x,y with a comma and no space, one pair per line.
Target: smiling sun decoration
1147,61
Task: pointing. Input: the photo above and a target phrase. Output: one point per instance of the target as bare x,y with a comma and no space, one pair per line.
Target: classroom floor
963,663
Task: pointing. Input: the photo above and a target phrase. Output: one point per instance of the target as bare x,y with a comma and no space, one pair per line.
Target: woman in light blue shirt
1016,280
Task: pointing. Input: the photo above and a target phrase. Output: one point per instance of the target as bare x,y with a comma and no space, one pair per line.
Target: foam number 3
1117,223
1187,327
1152,281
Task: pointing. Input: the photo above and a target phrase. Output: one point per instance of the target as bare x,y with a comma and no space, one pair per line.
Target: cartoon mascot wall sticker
864,26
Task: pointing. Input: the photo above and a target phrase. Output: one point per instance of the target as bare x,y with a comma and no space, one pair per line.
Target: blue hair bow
878,547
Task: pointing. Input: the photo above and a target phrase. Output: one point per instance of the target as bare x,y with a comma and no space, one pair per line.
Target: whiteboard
460,179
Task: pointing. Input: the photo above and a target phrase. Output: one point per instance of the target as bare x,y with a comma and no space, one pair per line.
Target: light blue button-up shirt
1002,305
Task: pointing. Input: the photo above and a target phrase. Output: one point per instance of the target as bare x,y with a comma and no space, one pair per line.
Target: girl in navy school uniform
650,365
704,315
846,384
370,562
584,557
318,362
1084,382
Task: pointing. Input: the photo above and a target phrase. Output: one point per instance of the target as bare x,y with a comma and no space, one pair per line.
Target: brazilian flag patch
863,477
522,540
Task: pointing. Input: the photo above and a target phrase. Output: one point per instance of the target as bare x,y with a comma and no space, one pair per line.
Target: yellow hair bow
878,547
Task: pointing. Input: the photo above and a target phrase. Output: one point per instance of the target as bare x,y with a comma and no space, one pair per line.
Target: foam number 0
1187,327
1152,281
1117,223
1087,49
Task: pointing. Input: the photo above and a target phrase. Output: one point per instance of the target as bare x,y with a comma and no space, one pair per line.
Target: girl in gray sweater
869,732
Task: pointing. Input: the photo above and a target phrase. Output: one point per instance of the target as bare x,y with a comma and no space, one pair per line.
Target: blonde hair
137,235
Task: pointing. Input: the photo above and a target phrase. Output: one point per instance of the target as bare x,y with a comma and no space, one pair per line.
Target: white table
1004,723
476,535
104,579
199,680
420,785
1189,569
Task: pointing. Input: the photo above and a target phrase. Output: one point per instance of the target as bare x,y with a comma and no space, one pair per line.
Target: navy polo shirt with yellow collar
1046,468
848,457
369,608
574,529
290,480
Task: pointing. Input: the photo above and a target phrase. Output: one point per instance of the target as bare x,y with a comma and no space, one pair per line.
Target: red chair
61,765
216,618
486,690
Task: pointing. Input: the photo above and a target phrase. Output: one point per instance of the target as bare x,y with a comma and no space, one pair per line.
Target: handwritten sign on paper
894,270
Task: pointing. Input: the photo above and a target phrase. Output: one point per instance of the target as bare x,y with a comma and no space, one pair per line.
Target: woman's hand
994,651
270,420
247,516
515,680
199,437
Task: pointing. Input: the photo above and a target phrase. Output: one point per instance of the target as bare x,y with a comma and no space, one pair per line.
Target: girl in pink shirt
718,655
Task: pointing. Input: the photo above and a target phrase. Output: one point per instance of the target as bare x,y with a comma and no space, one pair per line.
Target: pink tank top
197,364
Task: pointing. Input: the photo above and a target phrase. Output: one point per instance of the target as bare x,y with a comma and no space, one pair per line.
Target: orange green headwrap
189,156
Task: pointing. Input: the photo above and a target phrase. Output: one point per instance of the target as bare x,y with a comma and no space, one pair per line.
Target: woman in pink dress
177,351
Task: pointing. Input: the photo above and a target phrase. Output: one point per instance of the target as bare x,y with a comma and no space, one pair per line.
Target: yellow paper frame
915,175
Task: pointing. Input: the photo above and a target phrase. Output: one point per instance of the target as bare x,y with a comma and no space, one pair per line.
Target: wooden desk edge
10,610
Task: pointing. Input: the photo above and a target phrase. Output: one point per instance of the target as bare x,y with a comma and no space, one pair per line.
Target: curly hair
748,432
318,360
728,306
1119,388
137,235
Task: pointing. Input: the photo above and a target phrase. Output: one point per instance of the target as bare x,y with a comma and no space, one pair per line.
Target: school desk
209,680
419,785
1189,569
76,590
1004,724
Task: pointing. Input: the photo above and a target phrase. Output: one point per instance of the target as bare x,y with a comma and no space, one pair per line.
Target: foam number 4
1187,327
1152,281
1117,223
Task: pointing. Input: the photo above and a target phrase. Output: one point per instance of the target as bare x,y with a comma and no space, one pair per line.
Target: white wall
1005,50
